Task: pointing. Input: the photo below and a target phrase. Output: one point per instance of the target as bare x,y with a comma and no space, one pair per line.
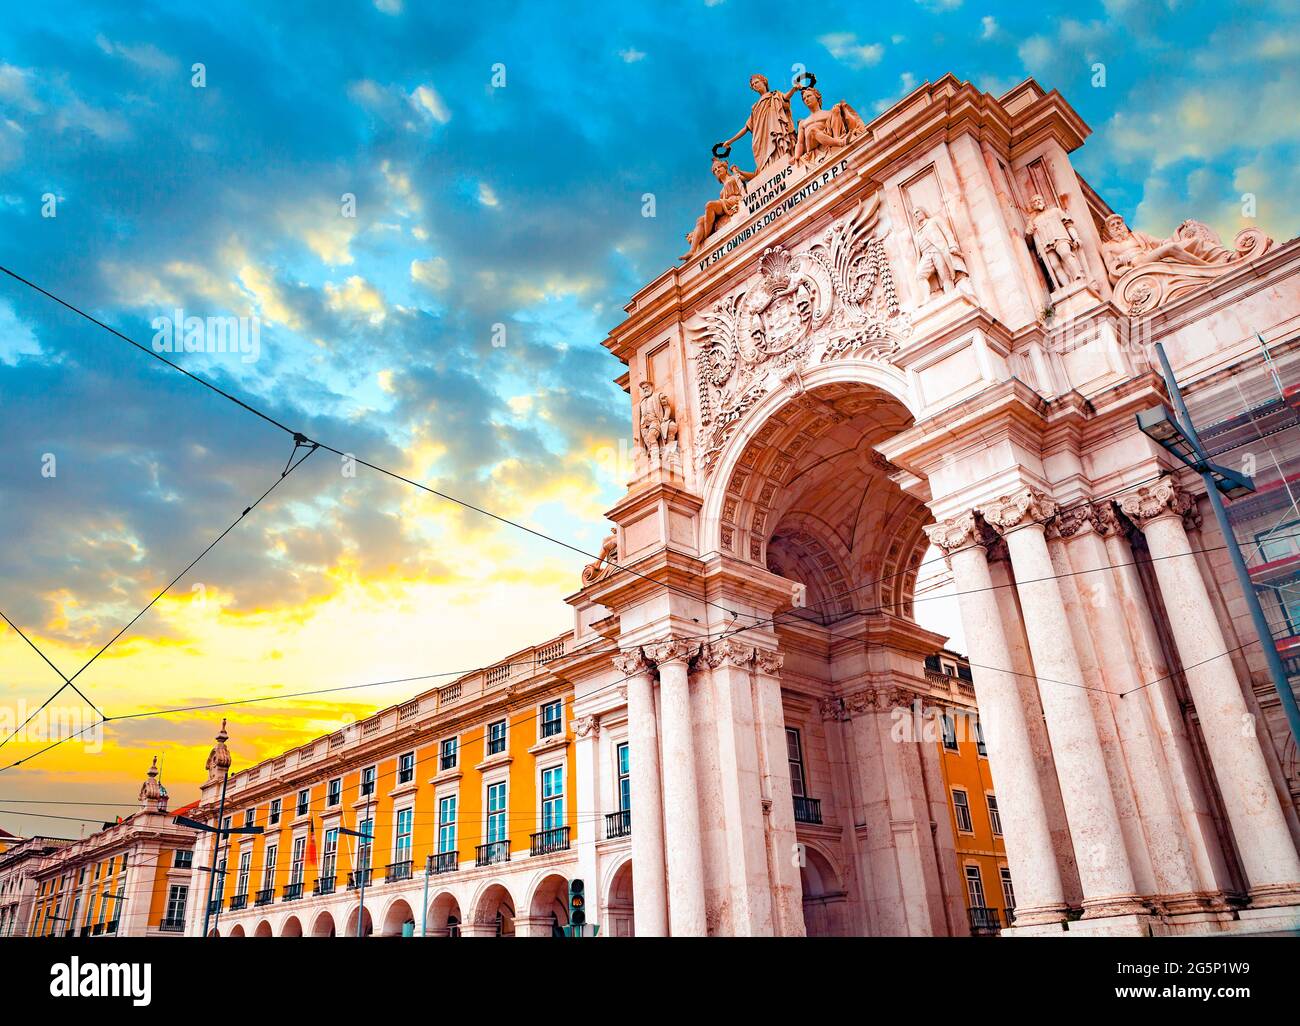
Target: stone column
1268,854
649,880
774,770
1101,855
586,732
730,665
1034,871
687,915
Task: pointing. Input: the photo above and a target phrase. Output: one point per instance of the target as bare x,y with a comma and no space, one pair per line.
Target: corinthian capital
631,663
671,650
1024,506
728,651
1072,519
768,661
955,533
1105,521
1154,501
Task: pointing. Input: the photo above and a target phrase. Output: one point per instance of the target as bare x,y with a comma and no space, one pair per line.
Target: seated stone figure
718,210
824,130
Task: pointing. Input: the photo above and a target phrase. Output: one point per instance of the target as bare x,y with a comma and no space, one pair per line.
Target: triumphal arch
926,329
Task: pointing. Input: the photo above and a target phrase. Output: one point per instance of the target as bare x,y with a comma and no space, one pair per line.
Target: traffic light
577,904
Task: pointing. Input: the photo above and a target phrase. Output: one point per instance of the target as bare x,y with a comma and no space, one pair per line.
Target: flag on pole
311,845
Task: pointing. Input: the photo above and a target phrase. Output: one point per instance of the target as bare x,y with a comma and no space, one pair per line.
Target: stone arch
368,924
237,930
825,901
494,910
396,917
444,915
548,904
323,925
292,927
263,929
617,914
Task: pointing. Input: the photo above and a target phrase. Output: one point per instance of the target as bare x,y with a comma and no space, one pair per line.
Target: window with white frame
402,843
624,778
794,752
367,782
447,824
975,887
949,732
995,817
334,791
298,860
553,798
245,870
447,753
553,718
268,868
330,854
1008,892
273,817
250,817
406,768
980,747
496,812
304,801
496,737
961,807
184,858
367,830
177,895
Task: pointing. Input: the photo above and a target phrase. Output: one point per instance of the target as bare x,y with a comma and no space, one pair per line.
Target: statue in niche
824,130
940,265
718,210
770,125
1055,240
658,426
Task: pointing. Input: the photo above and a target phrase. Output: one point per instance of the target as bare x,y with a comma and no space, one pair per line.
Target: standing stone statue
939,259
658,426
824,129
1055,239
770,124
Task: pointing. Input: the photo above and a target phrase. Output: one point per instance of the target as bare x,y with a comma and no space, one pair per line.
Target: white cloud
426,99
631,55
388,6
844,46
988,27
143,55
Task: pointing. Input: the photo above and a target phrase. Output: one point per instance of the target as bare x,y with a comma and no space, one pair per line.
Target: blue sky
478,204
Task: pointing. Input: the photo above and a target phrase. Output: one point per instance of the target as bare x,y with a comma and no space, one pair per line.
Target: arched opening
237,930
548,911
619,921
825,912
367,924
292,927
323,925
214,932
263,929
399,920
495,913
444,916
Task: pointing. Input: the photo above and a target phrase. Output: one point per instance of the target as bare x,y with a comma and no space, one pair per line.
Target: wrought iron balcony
238,901
172,926
325,884
97,929
984,920
491,853
618,824
546,841
446,862
354,878
214,906
265,896
292,891
112,926
398,871
807,810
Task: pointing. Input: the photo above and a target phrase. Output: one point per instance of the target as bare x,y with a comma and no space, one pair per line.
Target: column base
1275,895
1193,924
1045,915
1039,930
1191,903
1274,920
1131,925
1115,905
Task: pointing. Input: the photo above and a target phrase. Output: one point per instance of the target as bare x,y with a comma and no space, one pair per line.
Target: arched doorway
444,916
494,914
263,929
824,899
368,926
292,927
619,920
237,930
399,920
548,910
323,925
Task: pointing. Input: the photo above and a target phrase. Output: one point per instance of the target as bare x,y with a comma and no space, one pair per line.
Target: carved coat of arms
834,298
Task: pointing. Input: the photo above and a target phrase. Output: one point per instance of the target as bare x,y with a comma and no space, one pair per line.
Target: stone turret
218,764
153,796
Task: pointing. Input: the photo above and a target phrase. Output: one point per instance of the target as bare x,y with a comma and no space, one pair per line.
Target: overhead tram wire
301,438
69,681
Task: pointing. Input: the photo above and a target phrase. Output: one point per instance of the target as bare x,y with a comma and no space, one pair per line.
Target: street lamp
362,846
1177,434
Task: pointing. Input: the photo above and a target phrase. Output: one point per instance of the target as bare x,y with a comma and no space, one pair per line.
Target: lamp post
1177,434
362,846
424,920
